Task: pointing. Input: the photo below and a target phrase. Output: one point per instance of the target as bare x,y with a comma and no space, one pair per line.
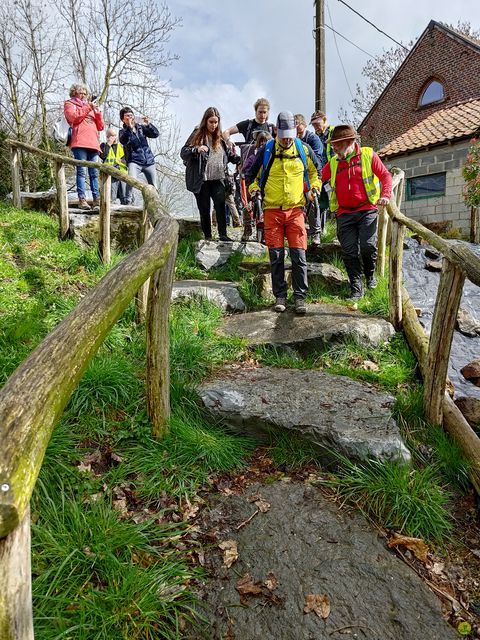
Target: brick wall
448,158
438,55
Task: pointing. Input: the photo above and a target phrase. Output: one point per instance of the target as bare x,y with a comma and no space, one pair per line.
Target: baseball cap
286,125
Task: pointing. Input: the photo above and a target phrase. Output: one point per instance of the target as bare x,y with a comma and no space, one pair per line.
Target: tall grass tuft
407,500
292,451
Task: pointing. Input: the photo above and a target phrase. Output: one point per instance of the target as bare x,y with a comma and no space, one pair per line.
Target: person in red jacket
86,121
359,184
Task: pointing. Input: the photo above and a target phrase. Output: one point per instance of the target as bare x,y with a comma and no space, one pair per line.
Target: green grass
292,452
394,365
407,500
98,573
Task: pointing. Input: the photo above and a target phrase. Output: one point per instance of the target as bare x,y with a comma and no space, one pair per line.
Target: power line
338,51
374,25
345,38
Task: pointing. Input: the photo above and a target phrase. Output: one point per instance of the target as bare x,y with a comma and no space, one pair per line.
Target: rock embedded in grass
224,295
333,412
214,254
322,325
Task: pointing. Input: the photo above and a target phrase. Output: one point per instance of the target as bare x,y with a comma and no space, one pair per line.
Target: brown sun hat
342,132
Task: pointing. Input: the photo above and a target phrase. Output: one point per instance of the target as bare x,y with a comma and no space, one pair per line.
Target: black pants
299,273
214,190
357,233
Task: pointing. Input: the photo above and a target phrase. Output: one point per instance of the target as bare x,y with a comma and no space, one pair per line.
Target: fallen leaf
246,587
262,505
84,468
319,604
201,557
271,582
368,365
120,505
230,552
416,545
438,568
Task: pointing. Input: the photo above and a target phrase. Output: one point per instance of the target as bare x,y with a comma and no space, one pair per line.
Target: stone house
423,122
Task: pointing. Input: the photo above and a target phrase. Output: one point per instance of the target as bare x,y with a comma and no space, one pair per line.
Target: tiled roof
459,121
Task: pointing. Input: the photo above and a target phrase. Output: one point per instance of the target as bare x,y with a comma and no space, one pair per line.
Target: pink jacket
85,123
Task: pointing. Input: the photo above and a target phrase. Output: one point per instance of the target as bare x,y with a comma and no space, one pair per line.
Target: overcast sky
233,52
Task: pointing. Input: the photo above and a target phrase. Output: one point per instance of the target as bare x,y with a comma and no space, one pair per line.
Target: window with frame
428,186
433,92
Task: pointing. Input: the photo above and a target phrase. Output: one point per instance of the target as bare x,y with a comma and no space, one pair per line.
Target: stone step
322,325
333,412
223,294
214,254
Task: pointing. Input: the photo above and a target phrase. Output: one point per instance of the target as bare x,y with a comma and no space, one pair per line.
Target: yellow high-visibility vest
116,158
370,180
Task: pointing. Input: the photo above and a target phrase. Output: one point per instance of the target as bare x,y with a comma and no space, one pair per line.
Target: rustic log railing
34,397
432,352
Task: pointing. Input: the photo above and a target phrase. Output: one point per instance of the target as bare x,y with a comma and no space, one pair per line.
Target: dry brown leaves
247,588
230,552
318,604
416,545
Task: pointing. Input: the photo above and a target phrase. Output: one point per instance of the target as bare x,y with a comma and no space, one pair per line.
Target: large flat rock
333,412
213,254
322,325
223,294
311,547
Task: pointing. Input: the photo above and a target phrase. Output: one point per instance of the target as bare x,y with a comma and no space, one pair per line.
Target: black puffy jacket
135,143
196,163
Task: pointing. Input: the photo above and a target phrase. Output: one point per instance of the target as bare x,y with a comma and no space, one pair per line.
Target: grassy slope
111,504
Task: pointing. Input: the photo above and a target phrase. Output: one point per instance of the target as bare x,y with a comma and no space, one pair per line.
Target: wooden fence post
475,224
62,199
382,240
443,324
15,159
158,346
395,274
146,230
16,618
104,217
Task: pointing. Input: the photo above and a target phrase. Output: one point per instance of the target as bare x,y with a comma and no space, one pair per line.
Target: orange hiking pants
285,222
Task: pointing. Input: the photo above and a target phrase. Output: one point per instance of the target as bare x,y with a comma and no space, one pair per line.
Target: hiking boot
225,239
96,203
371,282
280,305
355,295
83,204
316,240
300,306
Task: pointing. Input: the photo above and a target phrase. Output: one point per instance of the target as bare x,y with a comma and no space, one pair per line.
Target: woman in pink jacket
86,121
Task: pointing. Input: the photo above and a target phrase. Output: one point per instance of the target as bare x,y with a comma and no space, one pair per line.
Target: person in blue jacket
316,144
140,159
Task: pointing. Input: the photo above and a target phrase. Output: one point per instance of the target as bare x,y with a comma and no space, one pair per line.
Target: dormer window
433,92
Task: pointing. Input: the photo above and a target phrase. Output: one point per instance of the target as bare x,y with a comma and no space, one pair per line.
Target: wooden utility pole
320,104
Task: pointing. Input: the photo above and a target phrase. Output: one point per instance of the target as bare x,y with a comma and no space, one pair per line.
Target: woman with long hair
206,155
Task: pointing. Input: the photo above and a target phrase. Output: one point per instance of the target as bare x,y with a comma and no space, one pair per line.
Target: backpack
270,129
269,157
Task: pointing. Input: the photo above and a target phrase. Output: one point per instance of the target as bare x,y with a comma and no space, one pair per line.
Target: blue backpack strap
268,156
303,157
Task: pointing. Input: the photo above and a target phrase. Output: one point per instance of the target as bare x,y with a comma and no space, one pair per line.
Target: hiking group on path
294,173
284,173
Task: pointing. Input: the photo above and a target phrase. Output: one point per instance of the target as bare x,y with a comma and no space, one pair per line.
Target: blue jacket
316,144
135,143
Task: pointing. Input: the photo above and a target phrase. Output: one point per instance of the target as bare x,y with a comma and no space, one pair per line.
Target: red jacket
351,194
85,123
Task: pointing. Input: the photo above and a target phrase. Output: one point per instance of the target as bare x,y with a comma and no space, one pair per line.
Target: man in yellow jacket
283,171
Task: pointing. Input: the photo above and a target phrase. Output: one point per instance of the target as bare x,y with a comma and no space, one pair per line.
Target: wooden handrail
34,397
